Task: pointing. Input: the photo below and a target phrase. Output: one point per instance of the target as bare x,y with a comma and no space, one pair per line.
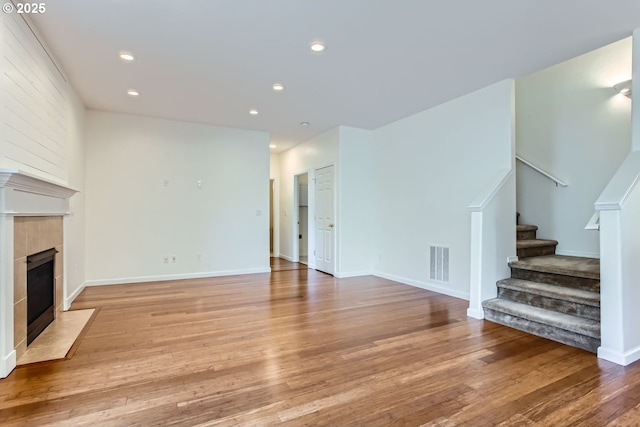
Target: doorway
271,184
303,218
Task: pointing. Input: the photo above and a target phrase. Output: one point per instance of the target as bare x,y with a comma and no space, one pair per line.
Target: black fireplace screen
40,292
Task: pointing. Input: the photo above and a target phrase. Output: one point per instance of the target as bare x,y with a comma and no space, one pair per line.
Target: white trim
28,183
616,206
423,285
620,187
578,254
288,258
352,274
489,191
167,277
69,300
476,314
594,222
7,364
619,358
43,213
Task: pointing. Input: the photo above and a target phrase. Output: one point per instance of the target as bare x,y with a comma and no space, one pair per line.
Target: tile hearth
57,339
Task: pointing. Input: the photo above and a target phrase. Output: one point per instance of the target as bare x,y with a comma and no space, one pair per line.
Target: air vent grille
439,263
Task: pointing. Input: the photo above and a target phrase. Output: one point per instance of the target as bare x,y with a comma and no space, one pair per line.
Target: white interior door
324,220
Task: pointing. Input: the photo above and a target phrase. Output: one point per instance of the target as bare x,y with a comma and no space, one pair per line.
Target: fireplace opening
40,292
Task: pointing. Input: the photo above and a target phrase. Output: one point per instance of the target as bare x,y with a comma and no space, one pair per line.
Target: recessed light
272,145
126,56
317,46
253,112
133,92
278,87
304,124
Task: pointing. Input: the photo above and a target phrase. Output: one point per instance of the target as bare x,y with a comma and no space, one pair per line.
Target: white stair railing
543,172
594,222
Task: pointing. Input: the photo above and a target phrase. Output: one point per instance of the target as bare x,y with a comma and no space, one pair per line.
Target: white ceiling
210,61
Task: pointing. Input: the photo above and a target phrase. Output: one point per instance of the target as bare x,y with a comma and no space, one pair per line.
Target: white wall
636,90
34,107
428,169
571,123
318,152
74,224
143,200
356,202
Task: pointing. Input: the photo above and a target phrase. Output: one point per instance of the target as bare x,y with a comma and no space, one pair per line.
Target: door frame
311,220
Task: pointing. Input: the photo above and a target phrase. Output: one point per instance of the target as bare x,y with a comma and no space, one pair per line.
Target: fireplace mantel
22,193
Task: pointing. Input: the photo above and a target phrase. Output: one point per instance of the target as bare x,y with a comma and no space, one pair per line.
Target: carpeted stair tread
535,243
588,268
552,291
578,325
525,227
526,232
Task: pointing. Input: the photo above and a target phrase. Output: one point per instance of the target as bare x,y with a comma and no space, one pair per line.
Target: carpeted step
535,247
574,272
526,232
575,302
575,331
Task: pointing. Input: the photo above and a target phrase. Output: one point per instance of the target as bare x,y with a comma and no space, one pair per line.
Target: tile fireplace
32,213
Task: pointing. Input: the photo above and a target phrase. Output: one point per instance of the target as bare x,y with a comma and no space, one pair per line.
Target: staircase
552,296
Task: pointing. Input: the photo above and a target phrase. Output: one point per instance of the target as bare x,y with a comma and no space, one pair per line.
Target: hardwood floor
301,348
280,264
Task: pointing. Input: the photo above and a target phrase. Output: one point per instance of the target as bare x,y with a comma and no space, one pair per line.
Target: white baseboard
7,364
435,287
476,314
352,274
69,300
288,258
162,278
578,254
619,358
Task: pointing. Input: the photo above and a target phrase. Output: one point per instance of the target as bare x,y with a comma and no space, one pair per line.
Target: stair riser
561,306
592,285
545,331
536,251
526,235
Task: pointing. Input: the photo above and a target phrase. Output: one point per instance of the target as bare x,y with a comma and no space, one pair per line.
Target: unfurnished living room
320,213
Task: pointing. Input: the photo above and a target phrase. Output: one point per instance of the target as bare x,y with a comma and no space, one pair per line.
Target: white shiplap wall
35,101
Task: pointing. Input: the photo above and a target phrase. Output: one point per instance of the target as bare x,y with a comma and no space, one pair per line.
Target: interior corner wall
355,205
161,189
571,123
315,153
428,169
74,224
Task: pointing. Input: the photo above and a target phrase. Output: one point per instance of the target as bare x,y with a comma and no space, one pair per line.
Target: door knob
330,225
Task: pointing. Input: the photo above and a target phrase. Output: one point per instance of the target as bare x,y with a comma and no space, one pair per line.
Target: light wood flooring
301,348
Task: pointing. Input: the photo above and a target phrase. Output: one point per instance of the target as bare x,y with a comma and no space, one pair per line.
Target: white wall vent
439,263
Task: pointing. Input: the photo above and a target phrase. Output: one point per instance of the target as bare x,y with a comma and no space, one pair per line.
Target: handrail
548,175
594,222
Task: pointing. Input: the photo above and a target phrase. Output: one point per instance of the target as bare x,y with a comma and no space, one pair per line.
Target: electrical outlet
173,259
166,260
198,257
